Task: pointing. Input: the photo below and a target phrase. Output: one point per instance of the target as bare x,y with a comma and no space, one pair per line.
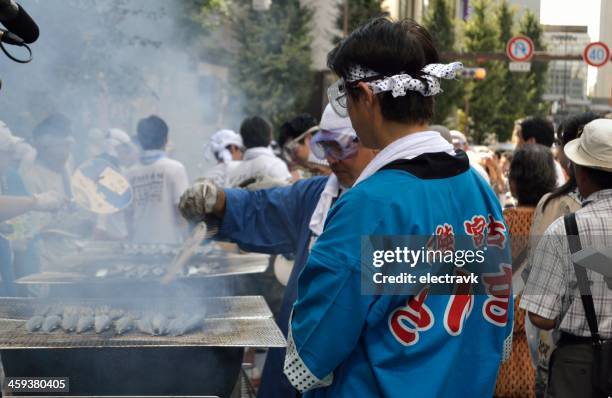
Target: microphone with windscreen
17,21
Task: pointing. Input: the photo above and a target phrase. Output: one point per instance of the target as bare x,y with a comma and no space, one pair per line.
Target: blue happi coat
343,343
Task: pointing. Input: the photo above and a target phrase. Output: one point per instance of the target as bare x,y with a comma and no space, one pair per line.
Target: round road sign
520,49
596,54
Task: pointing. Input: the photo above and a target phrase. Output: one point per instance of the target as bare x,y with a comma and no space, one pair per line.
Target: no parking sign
596,54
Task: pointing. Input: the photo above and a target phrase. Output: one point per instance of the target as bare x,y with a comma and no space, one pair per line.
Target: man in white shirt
259,162
158,183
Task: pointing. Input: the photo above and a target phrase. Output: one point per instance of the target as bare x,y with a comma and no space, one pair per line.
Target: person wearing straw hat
552,296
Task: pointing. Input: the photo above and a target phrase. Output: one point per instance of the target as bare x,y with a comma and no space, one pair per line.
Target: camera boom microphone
10,38
18,21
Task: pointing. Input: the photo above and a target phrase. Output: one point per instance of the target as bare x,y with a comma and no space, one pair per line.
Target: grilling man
284,220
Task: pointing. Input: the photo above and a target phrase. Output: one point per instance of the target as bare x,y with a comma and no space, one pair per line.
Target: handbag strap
573,239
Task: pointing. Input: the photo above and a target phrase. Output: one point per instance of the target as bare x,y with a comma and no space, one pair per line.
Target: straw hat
594,146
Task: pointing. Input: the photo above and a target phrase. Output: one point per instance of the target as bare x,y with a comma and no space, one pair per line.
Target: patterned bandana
428,84
401,83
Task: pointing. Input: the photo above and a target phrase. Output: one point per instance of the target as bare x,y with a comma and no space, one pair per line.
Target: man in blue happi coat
343,342
284,220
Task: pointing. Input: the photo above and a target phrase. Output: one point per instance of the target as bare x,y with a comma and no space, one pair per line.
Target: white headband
401,83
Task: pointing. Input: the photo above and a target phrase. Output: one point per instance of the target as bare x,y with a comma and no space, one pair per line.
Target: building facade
404,9
566,80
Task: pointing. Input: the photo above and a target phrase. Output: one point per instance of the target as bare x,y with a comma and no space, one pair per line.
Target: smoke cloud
108,63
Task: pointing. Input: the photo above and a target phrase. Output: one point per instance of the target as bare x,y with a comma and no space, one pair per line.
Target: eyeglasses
337,93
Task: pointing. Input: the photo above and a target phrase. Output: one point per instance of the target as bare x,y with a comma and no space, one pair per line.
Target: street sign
596,54
519,66
519,49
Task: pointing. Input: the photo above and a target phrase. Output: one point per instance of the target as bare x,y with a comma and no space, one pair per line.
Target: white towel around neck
330,191
407,147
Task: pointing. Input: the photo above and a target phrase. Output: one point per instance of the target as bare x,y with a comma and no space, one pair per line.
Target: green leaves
504,96
359,12
439,22
272,60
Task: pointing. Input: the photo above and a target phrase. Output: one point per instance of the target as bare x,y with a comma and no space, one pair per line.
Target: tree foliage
536,78
359,12
481,36
272,59
504,96
440,23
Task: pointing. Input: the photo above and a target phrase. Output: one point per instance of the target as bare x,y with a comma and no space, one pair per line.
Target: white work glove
49,201
199,200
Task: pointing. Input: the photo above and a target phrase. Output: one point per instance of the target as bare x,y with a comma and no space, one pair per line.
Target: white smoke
108,63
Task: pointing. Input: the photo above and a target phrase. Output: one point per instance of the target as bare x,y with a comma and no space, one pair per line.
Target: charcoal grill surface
214,333
241,321
235,307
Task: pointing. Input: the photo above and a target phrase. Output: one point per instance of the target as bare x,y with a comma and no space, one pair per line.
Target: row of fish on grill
131,271
142,271
83,320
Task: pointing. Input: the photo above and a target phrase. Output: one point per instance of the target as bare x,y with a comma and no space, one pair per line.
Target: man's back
399,345
158,186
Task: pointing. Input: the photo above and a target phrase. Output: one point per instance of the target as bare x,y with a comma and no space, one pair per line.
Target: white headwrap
428,84
330,121
217,147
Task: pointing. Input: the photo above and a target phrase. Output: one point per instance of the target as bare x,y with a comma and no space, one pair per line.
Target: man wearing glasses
295,136
346,343
284,220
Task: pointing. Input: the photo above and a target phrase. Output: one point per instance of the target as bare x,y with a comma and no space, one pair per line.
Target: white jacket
258,163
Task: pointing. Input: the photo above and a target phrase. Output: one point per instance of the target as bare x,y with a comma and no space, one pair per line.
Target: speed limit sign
596,54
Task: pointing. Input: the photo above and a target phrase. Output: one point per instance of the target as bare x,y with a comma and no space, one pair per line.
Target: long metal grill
116,262
64,278
230,322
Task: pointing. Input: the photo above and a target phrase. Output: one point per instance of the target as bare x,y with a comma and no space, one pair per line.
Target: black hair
533,172
601,178
567,131
57,125
571,126
538,128
295,127
255,132
390,48
152,133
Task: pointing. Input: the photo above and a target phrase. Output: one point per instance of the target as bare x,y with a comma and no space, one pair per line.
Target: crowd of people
372,165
